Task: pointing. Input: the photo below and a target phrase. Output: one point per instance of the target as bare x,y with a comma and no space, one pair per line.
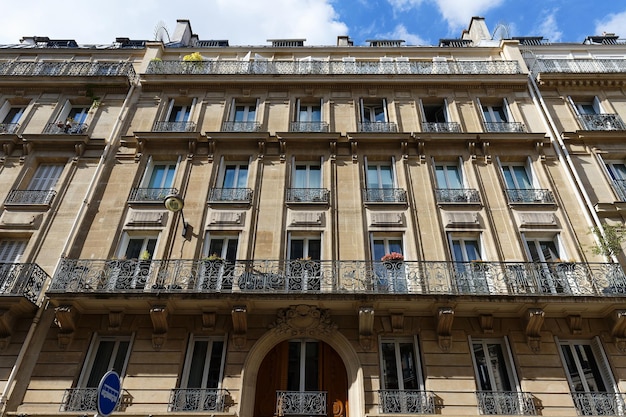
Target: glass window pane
379,249
315,176
231,250
390,371
386,177
120,357
293,367
216,247
297,249
101,362
523,181
198,359
229,176
395,245
215,365
409,366
508,177
311,367
301,175
242,178
315,249
471,248
372,177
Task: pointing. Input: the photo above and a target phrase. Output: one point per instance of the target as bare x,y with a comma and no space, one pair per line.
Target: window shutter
297,115
64,112
507,110
192,109
46,177
385,110
11,251
321,109
603,365
393,172
446,114
510,363
422,112
574,107
170,106
362,110
531,173
597,106
461,173
4,110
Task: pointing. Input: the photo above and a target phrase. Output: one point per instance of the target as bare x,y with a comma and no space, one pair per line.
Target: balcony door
617,173
472,275
304,267
301,369
132,271
553,274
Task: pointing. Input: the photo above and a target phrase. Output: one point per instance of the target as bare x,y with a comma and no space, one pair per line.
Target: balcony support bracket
7,321
158,315
575,324
239,315
366,327
486,323
397,322
445,318
534,322
65,317
619,329
208,320
115,319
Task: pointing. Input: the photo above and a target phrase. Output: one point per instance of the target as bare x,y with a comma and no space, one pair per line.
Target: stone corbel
261,144
139,149
208,320
211,155
404,146
540,150
282,145
65,317
534,322
354,150
618,331
7,148
7,320
486,153
79,150
333,150
471,147
421,145
193,145
115,319
575,323
366,327
486,323
445,318
397,322
239,315
158,315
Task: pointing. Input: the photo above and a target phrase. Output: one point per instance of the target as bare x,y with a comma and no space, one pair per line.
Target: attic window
284,43
606,39
213,43
130,43
55,43
530,40
455,43
385,42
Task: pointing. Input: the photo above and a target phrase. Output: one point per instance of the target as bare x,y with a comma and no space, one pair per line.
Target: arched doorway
293,376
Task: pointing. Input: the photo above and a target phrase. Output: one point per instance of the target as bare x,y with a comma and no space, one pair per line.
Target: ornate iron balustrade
80,399
241,127
307,195
506,403
620,189
599,403
226,195
601,122
441,127
290,67
27,197
384,127
197,399
174,127
66,128
147,195
301,403
9,128
529,196
579,66
357,277
308,127
406,402
504,127
22,279
384,195
457,195
74,69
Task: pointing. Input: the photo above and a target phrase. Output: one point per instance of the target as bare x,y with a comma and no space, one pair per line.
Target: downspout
561,150
79,216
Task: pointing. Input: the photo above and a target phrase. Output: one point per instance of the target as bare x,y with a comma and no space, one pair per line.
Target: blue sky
252,22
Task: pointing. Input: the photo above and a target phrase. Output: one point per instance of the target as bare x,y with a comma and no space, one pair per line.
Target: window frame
308,164
445,165
246,104
92,351
599,355
509,363
309,104
489,108
306,238
418,362
150,166
371,104
225,237
443,106
188,110
221,177
189,351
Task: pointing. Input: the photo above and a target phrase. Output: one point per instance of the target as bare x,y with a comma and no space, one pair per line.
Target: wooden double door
302,365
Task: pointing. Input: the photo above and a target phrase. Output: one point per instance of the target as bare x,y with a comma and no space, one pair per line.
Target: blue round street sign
109,392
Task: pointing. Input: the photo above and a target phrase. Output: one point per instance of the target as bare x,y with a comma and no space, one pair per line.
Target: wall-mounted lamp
175,203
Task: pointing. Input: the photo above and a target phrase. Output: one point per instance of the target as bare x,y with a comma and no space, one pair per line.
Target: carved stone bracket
139,150
211,155
261,144
7,320
575,323
486,152
208,320
65,318
282,146
486,323
421,150
239,315
366,327
471,147
540,150
303,320
445,317
193,145
354,150
618,331
115,319
404,146
397,322
158,315
534,322
333,150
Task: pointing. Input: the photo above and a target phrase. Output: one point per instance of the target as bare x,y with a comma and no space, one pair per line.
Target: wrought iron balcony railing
358,277
307,195
9,128
506,403
85,399
150,195
529,196
291,67
241,127
174,127
382,127
601,122
230,195
74,69
441,127
504,127
579,66
599,403
457,195
301,403
29,197
22,279
197,399
406,402
65,128
384,195
620,189
308,127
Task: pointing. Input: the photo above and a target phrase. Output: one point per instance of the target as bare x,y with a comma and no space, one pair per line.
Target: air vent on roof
606,39
46,42
455,43
213,43
385,42
529,40
130,43
287,43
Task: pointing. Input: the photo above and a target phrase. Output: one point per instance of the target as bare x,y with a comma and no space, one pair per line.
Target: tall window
494,114
390,272
374,117
497,118
555,274
78,114
472,275
591,382
220,251
617,173
231,183
11,251
303,366
132,268
10,117
309,112
450,184
308,117
179,113
40,188
305,271
522,185
202,376
244,113
223,247
435,118
157,182
306,248
381,183
306,184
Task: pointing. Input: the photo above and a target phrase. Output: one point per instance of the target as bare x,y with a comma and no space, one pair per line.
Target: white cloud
612,23
458,13
404,5
242,22
548,27
400,32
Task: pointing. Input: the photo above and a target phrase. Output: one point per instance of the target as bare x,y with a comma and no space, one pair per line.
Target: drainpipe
561,150
79,216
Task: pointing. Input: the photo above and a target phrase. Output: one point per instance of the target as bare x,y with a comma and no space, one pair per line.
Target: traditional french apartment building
295,230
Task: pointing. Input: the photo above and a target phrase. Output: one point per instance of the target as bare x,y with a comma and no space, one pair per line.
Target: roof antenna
502,31
161,33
